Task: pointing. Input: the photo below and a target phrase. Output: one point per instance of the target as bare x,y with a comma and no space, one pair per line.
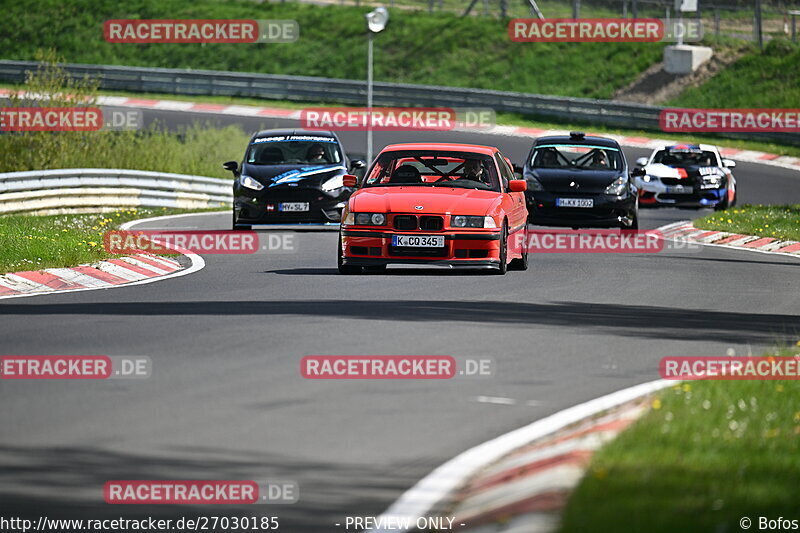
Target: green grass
757,80
776,221
706,455
197,150
417,47
34,242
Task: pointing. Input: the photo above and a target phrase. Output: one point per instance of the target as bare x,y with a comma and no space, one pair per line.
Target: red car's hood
434,200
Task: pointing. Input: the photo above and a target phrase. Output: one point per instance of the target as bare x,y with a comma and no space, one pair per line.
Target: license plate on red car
418,241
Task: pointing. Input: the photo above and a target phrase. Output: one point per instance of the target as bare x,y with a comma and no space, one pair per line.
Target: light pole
376,22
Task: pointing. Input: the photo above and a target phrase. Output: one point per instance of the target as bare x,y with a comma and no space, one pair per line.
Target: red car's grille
405,222
412,222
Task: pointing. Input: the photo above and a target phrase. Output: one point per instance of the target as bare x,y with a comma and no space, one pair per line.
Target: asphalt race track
226,399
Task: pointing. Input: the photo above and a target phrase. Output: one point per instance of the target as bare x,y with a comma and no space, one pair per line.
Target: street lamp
376,22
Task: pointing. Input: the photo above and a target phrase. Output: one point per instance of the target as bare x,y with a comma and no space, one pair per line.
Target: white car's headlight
250,183
618,186
712,181
333,183
647,178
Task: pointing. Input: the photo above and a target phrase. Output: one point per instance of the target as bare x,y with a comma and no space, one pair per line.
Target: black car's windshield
683,158
576,157
293,149
432,168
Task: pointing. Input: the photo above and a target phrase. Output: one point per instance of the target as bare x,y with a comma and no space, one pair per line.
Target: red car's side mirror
517,186
348,180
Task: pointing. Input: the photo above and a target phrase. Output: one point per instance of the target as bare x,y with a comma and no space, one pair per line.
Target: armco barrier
310,89
98,189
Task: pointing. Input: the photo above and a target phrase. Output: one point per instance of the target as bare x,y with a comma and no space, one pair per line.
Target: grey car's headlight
469,221
618,186
333,183
370,219
250,183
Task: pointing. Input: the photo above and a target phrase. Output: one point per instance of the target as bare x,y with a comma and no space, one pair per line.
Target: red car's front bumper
368,247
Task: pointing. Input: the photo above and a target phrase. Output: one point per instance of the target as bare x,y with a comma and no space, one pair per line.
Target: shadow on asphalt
391,271
785,263
617,319
67,483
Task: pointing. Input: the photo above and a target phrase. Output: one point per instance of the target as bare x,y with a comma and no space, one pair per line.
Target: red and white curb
434,495
686,231
100,275
512,131
527,490
124,271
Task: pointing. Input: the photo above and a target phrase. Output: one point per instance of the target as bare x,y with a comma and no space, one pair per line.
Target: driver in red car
473,170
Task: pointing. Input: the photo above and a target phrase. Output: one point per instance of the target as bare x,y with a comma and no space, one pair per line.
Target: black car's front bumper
607,211
264,206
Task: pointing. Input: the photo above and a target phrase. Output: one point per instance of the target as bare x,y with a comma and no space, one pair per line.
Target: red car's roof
454,147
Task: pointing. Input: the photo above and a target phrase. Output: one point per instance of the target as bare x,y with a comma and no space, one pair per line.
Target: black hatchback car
580,181
291,177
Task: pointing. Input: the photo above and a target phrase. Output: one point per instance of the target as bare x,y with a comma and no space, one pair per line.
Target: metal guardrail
311,89
97,189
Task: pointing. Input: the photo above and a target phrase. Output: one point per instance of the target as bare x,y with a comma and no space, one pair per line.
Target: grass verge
36,242
776,221
706,455
759,79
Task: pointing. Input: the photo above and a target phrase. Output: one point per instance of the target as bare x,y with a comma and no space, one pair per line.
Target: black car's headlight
618,186
469,221
533,183
250,183
365,219
712,181
333,183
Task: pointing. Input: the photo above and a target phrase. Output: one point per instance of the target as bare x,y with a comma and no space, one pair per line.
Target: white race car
687,175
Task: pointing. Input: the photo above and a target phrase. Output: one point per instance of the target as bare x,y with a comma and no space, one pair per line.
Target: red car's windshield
465,170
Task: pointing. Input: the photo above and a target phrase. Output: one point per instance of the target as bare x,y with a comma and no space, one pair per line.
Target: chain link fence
733,19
